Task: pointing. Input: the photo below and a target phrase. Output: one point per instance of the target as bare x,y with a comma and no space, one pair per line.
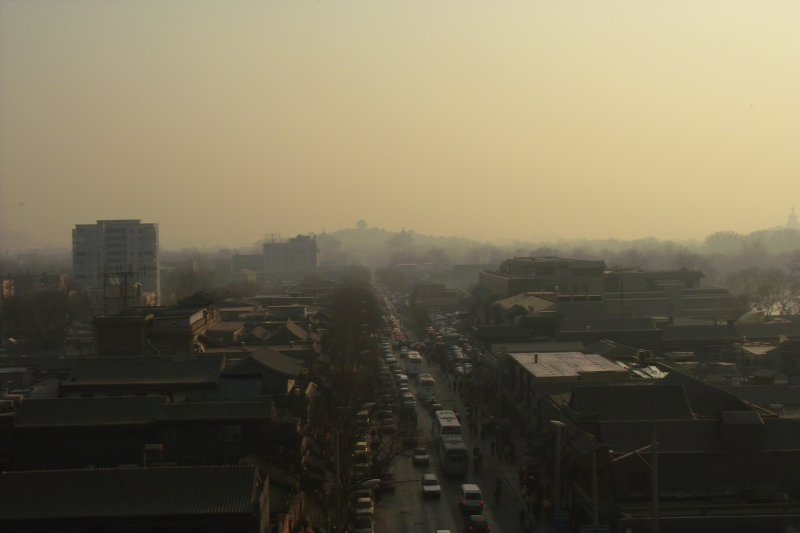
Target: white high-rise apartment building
297,254
117,246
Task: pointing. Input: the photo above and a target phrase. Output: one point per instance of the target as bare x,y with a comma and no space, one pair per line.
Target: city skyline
523,121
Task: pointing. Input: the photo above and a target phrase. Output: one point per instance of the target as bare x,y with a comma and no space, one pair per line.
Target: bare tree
778,291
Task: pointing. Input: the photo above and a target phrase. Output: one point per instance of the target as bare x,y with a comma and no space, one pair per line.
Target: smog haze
223,121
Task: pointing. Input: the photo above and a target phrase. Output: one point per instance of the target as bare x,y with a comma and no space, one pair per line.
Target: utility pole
653,466
654,477
338,482
559,425
595,518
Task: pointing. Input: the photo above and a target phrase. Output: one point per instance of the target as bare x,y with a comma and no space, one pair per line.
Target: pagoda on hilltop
791,221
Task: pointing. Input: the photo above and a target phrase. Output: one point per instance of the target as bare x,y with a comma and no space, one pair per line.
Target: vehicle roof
470,487
429,476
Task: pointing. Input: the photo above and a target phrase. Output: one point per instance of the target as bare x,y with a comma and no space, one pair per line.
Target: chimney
536,358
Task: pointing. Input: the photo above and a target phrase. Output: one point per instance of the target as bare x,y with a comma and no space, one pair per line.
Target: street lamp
559,425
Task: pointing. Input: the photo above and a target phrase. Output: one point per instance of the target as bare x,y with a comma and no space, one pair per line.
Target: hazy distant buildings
791,221
584,289
296,254
254,262
109,247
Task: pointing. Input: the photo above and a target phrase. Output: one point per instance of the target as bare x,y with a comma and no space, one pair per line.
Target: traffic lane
502,516
451,486
407,510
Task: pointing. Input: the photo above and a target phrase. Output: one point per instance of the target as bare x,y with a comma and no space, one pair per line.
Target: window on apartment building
230,433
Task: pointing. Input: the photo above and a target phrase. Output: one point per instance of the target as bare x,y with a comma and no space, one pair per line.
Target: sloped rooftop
144,370
632,402
129,492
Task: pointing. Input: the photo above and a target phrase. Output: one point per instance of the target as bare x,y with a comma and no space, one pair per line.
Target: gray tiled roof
135,492
781,434
611,349
673,435
741,418
190,411
632,402
769,331
540,347
705,398
132,410
144,370
85,412
265,359
715,333
764,395
607,324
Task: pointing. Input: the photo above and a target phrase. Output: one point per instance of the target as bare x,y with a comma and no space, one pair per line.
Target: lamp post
559,425
595,518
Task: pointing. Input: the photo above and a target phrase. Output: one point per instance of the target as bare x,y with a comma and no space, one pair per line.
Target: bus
446,423
426,387
453,455
414,363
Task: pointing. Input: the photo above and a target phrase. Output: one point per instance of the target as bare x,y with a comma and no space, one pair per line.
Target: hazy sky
226,120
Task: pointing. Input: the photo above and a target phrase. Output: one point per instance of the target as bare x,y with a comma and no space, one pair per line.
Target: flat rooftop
566,365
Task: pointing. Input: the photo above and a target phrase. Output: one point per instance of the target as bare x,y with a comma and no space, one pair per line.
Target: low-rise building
197,498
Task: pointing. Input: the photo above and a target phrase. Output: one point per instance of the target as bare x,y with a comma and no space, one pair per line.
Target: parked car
476,523
362,446
362,493
430,486
420,456
364,507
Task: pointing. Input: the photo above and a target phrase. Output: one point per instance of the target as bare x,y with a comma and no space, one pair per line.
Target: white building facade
127,248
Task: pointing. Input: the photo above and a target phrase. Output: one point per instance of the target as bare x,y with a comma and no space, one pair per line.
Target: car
430,486
388,426
420,456
476,523
435,406
387,482
363,524
363,507
470,499
362,493
385,414
362,446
